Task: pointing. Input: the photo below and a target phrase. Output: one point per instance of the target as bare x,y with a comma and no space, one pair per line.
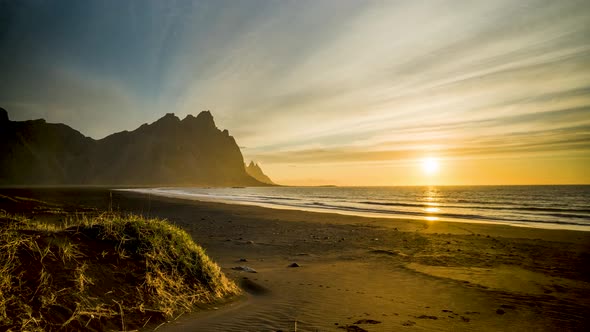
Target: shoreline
403,274
343,212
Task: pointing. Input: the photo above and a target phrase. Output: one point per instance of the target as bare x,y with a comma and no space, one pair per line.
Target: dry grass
107,272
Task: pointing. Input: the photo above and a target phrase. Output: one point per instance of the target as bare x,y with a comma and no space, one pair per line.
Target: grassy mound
101,273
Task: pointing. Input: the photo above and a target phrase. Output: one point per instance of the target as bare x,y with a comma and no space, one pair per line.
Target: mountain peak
206,117
170,116
167,119
254,170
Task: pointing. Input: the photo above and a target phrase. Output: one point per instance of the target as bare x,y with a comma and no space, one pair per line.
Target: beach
357,273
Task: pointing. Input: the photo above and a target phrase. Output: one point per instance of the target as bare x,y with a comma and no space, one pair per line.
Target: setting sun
430,166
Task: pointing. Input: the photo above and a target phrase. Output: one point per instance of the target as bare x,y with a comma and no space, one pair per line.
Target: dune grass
104,272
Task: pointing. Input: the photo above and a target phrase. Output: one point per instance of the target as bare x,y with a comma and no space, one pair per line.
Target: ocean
558,207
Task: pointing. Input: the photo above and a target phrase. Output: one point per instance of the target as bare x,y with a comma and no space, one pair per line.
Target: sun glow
430,165
431,209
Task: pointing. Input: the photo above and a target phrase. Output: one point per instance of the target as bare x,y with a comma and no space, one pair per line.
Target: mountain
256,172
170,151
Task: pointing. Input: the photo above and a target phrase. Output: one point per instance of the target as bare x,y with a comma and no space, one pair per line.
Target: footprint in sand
408,323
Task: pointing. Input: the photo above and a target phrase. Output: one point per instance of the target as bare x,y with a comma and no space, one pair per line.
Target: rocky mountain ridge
167,152
255,171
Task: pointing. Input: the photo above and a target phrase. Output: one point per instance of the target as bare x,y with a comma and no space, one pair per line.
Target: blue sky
321,91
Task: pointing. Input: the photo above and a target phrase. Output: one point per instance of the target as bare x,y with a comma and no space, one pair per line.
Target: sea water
564,207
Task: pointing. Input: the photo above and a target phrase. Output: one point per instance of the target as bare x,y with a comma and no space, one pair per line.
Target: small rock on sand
294,265
500,312
367,321
383,251
244,268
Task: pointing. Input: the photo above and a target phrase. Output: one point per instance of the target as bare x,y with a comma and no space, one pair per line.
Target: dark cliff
170,151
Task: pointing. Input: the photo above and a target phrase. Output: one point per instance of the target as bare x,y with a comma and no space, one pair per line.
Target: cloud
314,81
387,67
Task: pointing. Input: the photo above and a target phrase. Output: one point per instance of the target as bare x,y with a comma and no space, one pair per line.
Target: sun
430,165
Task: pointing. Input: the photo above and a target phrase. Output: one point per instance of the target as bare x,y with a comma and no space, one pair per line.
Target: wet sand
371,274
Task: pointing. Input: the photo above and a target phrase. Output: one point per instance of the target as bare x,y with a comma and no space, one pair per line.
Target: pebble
244,268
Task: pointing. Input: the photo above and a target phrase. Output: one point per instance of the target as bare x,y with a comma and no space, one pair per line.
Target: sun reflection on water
430,195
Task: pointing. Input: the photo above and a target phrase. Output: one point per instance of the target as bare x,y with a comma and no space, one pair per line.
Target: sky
322,92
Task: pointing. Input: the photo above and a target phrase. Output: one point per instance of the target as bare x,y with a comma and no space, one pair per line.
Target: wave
516,208
534,206
275,197
443,215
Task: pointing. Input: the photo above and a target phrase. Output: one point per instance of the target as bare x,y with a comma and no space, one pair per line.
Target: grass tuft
101,273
